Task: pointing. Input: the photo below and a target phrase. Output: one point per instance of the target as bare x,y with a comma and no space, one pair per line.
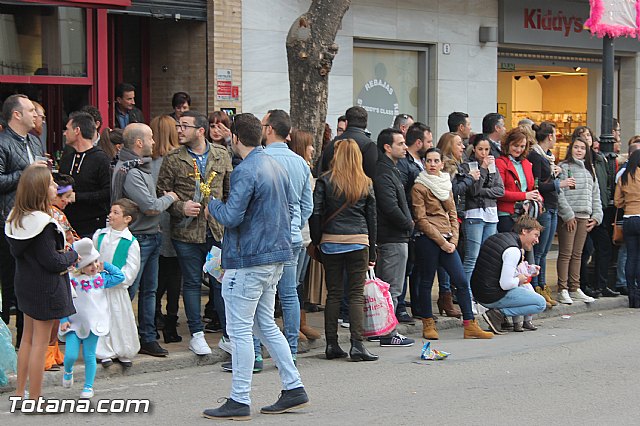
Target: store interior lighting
577,68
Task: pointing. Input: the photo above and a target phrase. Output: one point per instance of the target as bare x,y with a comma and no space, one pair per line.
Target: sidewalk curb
185,359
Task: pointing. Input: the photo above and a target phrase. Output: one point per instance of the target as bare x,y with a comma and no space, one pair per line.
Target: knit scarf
439,184
129,160
548,155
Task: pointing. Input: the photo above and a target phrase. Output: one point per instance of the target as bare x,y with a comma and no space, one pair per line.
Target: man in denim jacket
256,244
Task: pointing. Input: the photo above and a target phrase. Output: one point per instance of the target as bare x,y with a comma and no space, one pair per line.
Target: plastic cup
492,168
473,166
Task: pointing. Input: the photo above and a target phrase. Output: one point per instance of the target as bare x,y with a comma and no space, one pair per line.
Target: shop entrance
545,93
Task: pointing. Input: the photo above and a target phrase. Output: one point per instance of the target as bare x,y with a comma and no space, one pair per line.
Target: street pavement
578,369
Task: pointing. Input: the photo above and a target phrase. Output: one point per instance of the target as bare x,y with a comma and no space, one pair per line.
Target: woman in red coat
517,175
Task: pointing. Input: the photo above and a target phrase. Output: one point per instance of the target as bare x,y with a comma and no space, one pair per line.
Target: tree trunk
311,48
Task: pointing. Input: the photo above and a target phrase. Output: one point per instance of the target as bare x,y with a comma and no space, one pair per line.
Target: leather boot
169,331
307,330
334,350
301,337
429,330
473,331
445,304
359,352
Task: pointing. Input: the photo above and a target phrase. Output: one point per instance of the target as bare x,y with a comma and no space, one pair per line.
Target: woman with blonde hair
165,136
343,226
462,180
42,285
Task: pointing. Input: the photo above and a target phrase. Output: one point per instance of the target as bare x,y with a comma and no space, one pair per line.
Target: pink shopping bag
379,315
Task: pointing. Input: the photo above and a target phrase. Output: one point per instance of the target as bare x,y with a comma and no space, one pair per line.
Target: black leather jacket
395,224
357,219
13,160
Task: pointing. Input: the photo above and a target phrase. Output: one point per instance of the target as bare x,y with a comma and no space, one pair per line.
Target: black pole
606,135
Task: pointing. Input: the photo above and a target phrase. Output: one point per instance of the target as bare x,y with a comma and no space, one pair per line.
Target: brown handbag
313,250
618,236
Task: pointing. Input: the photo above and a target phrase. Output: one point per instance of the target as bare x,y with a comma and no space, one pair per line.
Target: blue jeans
621,280
444,282
301,273
249,297
288,294
549,220
632,243
476,231
428,257
146,284
191,257
519,301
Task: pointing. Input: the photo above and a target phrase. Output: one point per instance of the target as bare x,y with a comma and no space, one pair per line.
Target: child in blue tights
92,317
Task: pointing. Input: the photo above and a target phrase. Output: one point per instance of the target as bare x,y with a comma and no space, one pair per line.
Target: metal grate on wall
167,9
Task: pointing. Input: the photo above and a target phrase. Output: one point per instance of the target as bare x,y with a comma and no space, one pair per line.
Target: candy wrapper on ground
429,354
212,263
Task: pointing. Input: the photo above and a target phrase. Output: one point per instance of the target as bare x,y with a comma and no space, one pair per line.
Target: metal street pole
606,127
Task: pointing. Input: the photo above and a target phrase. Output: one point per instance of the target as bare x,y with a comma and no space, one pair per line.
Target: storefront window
385,83
43,40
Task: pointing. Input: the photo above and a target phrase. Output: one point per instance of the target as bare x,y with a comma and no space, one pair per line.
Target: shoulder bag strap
334,214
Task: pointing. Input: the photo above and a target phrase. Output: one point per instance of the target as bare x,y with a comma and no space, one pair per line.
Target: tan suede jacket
177,175
434,217
627,196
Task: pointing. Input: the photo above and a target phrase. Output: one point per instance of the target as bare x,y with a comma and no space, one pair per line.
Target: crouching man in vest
496,284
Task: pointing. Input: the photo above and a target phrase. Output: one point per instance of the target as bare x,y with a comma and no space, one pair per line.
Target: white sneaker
581,297
67,380
563,297
198,344
345,324
225,345
86,393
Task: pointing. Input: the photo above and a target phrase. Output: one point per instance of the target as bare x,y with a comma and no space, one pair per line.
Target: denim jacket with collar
300,179
257,214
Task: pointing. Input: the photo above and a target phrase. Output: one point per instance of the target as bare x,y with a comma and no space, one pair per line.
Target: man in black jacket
395,224
356,125
90,168
18,149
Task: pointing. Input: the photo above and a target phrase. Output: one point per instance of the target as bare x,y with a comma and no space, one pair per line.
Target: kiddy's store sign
551,23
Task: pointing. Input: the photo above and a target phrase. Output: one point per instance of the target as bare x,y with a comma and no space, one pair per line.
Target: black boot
334,350
160,320
358,352
169,332
634,297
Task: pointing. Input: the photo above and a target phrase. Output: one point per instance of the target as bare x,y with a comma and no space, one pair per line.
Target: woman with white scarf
435,214
546,172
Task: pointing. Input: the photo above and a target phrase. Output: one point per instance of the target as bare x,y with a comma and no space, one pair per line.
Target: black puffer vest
485,280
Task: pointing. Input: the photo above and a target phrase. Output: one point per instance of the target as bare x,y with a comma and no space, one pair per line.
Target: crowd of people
134,211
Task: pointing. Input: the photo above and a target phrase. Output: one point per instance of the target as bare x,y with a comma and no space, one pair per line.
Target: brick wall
225,47
181,48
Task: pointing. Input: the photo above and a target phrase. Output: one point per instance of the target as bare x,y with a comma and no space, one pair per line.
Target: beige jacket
627,196
434,217
177,175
